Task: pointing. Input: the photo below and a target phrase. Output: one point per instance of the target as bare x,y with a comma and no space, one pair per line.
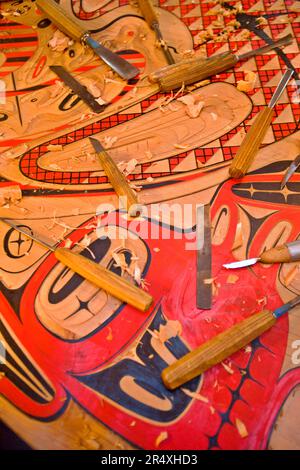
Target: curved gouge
254,137
73,29
117,179
222,346
95,273
287,253
290,171
197,69
147,9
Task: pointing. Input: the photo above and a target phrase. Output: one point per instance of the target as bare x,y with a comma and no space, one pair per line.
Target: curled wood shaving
249,83
161,438
242,430
193,103
60,42
120,261
195,395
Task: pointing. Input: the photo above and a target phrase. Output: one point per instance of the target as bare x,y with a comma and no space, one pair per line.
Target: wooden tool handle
251,143
119,183
105,279
61,19
191,71
217,349
147,9
280,254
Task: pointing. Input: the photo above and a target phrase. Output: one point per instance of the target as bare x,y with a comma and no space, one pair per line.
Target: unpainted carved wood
280,254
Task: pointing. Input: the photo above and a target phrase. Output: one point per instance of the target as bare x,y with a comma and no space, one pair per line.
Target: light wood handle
148,12
217,349
251,143
280,254
191,71
119,183
61,19
105,279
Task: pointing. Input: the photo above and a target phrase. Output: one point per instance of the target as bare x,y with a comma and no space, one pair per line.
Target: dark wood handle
217,349
251,143
61,19
279,254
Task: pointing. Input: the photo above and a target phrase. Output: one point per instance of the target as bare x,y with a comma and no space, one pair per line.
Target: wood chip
54,148
109,337
227,368
232,279
195,395
249,83
60,42
161,438
242,430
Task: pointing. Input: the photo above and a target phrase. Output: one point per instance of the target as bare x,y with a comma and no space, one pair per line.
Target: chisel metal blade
123,68
204,258
290,171
241,264
27,234
77,88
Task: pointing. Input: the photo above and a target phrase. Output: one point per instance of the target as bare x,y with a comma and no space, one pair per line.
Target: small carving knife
151,18
77,88
222,346
117,179
254,137
73,29
287,253
101,277
197,69
204,258
290,171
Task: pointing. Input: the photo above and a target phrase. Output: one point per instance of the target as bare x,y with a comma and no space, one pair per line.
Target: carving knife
117,179
254,137
101,277
197,69
151,18
290,171
203,237
73,29
222,346
288,253
77,88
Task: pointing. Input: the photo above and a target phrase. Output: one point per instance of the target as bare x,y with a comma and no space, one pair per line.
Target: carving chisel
222,346
290,171
197,69
203,236
73,29
77,88
116,179
151,18
287,253
95,273
254,137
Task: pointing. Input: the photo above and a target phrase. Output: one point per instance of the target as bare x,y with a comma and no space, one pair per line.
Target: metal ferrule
85,37
294,250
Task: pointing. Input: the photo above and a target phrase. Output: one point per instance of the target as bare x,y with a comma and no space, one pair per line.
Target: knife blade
73,28
290,171
204,258
77,88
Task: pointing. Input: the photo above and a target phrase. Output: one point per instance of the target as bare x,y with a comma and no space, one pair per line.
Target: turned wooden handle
217,349
279,254
251,143
147,9
191,71
61,19
119,183
105,279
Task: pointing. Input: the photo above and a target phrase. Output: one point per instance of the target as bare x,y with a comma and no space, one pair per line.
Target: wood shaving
60,42
232,279
193,103
227,368
109,337
68,243
180,146
120,261
156,250
195,395
161,438
109,141
242,430
130,167
54,148
249,83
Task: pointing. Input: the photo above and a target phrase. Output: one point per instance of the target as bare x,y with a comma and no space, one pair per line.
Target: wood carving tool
117,179
151,18
290,171
203,236
95,273
254,137
222,346
73,29
77,88
197,69
287,253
